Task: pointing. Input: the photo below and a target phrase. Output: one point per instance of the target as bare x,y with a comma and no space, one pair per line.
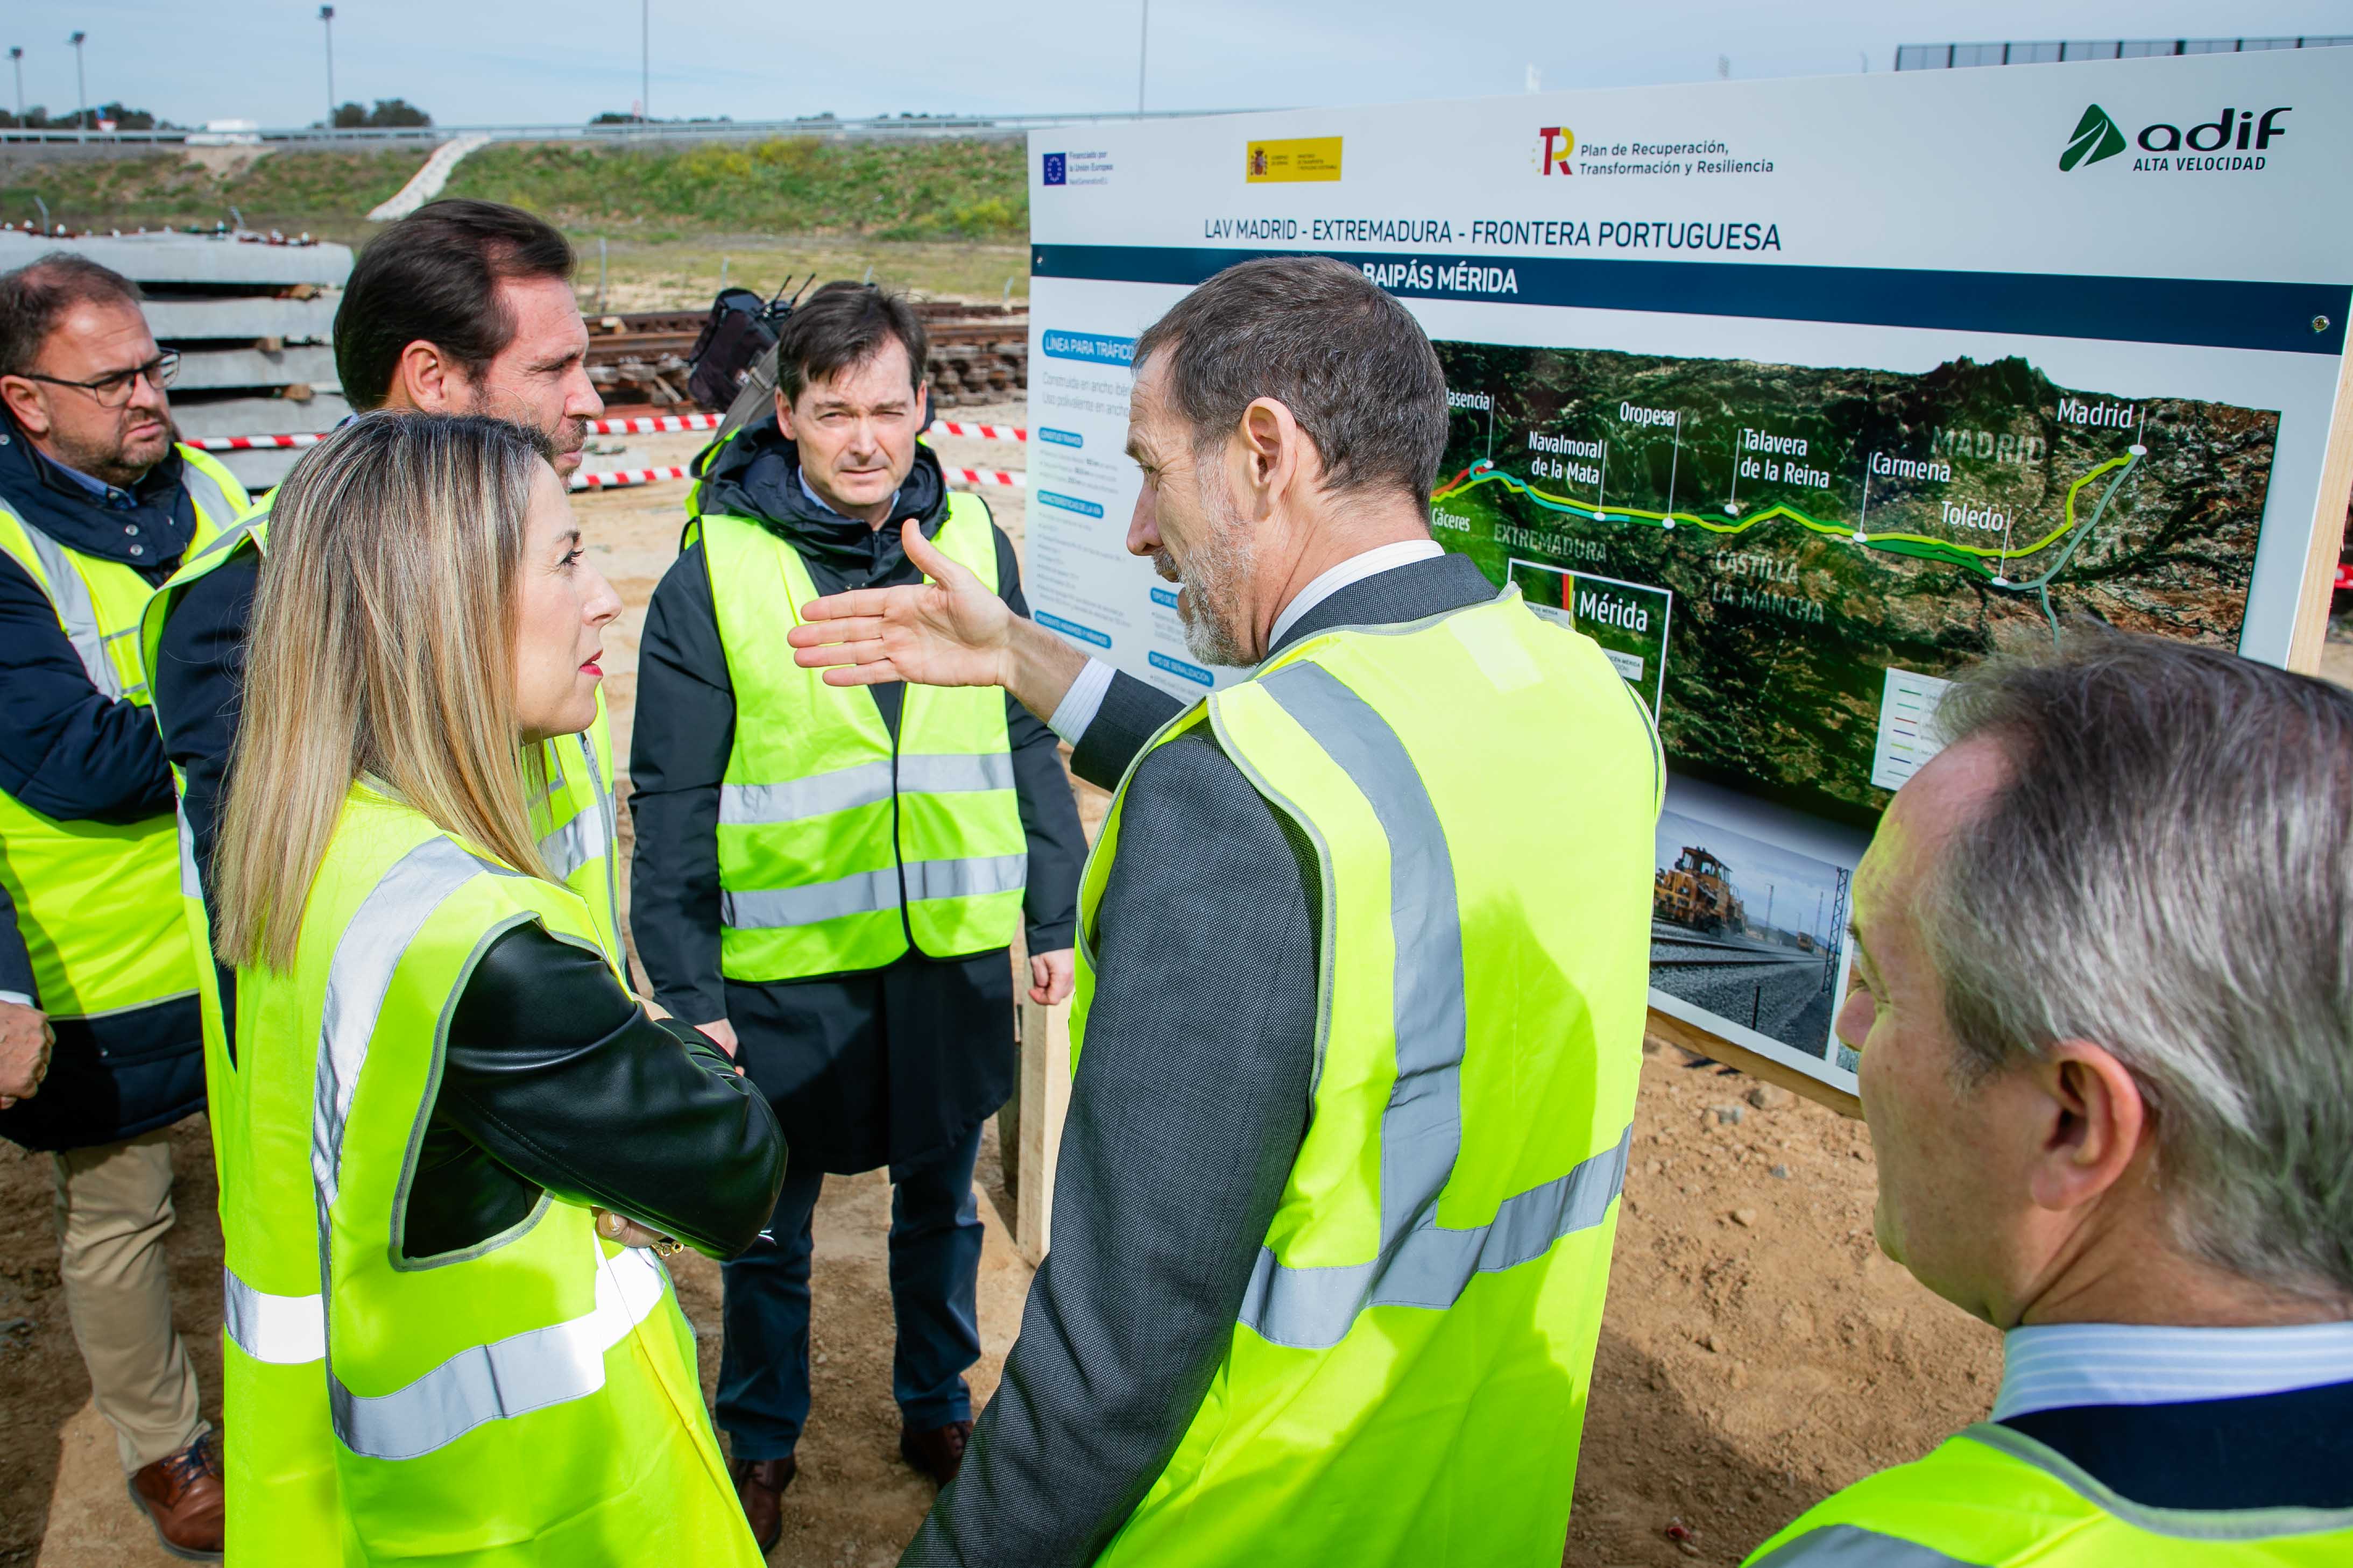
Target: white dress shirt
1084,700
2059,1366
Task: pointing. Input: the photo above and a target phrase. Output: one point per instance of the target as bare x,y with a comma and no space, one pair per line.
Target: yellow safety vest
836,847
534,1399
95,900
1408,1380
1992,1498
281,1495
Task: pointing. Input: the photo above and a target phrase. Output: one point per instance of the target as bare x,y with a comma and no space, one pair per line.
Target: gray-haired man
2106,1011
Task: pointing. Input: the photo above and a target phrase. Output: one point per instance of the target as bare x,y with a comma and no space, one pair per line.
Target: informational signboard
1797,396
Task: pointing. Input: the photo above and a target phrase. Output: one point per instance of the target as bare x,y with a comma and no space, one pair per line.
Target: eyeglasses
115,391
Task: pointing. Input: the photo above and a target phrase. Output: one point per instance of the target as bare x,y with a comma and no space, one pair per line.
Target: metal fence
1944,56
624,134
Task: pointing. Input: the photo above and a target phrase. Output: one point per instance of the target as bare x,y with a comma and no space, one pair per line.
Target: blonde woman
450,1123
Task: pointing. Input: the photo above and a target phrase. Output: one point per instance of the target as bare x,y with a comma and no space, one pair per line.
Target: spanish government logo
2095,137
1554,145
1299,158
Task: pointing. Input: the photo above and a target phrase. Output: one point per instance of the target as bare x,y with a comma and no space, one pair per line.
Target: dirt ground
1759,1352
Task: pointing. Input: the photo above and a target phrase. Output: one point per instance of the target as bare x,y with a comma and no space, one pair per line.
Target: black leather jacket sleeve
555,1079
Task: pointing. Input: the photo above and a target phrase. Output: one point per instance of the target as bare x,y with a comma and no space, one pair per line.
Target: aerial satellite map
1788,565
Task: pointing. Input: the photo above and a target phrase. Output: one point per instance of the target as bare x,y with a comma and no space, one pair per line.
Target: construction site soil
1758,1351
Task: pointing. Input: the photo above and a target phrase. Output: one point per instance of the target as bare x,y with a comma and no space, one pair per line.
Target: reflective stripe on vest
584,836
1419,1264
505,1378
76,612
369,950
861,892
1991,1497
283,1331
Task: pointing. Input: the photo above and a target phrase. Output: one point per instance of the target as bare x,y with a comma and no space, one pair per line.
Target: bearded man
1356,1050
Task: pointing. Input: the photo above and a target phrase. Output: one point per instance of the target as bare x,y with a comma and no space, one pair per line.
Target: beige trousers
114,1204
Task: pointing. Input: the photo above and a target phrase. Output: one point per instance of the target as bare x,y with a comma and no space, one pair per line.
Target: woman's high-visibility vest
533,1398
1992,1498
278,1449
95,900
1407,1379
835,847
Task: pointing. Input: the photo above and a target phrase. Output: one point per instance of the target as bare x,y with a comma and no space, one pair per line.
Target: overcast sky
506,62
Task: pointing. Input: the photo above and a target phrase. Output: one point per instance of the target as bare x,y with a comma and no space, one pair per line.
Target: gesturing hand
949,631
25,1041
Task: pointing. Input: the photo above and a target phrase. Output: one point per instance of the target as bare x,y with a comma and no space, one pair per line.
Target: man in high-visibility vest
2106,1024
832,878
97,505
462,307
1364,961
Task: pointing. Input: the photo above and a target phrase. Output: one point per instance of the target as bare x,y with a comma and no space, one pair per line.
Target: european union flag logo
1057,168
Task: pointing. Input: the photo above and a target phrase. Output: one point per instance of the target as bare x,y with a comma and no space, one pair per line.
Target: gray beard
1213,577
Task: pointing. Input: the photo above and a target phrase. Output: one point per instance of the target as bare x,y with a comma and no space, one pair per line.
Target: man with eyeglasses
97,505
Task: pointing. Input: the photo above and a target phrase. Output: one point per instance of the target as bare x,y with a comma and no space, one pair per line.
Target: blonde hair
381,643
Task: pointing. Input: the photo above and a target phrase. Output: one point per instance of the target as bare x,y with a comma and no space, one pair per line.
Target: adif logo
2096,137
2232,140
1554,145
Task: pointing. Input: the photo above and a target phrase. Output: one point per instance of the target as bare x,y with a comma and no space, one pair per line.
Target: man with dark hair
462,307
97,507
2106,1015
1355,1051
828,880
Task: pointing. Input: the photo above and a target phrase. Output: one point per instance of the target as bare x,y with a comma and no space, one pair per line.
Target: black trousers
935,1236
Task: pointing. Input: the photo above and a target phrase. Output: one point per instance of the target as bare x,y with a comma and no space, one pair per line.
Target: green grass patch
328,193
875,190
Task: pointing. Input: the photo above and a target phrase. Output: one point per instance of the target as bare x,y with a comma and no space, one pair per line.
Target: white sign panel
1797,396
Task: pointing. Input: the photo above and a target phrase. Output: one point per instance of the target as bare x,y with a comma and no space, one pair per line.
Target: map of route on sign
1768,551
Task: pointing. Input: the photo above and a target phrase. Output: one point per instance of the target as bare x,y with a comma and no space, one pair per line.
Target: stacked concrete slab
254,322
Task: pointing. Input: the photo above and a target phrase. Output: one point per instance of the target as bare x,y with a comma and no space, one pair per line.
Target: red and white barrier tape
662,424
656,425
2345,579
254,443
620,478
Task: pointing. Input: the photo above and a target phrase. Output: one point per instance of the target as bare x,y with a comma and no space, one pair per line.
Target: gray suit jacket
1187,1113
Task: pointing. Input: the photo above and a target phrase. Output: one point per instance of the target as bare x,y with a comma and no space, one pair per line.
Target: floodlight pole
82,110
327,22
16,58
645,62
1142,54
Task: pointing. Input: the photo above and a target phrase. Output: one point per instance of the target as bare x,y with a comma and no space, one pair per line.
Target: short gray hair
2168,872
1321,339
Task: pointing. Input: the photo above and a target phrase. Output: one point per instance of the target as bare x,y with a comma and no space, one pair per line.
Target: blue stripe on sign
1165,597
1070,628
1070,503
1094,348
1178,667
2207,313
1061,437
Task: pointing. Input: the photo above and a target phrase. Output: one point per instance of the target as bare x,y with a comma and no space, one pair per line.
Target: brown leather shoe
938,1453
182,1496
760,1485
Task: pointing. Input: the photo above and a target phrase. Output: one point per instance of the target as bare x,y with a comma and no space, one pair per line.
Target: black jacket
1180,1136
554,1082
883,1066
68,751
15,965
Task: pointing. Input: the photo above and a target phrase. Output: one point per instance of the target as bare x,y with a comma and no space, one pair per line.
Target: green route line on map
1955,554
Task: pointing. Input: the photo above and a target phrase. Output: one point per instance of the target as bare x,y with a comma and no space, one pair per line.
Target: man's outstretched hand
951,630
948,631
